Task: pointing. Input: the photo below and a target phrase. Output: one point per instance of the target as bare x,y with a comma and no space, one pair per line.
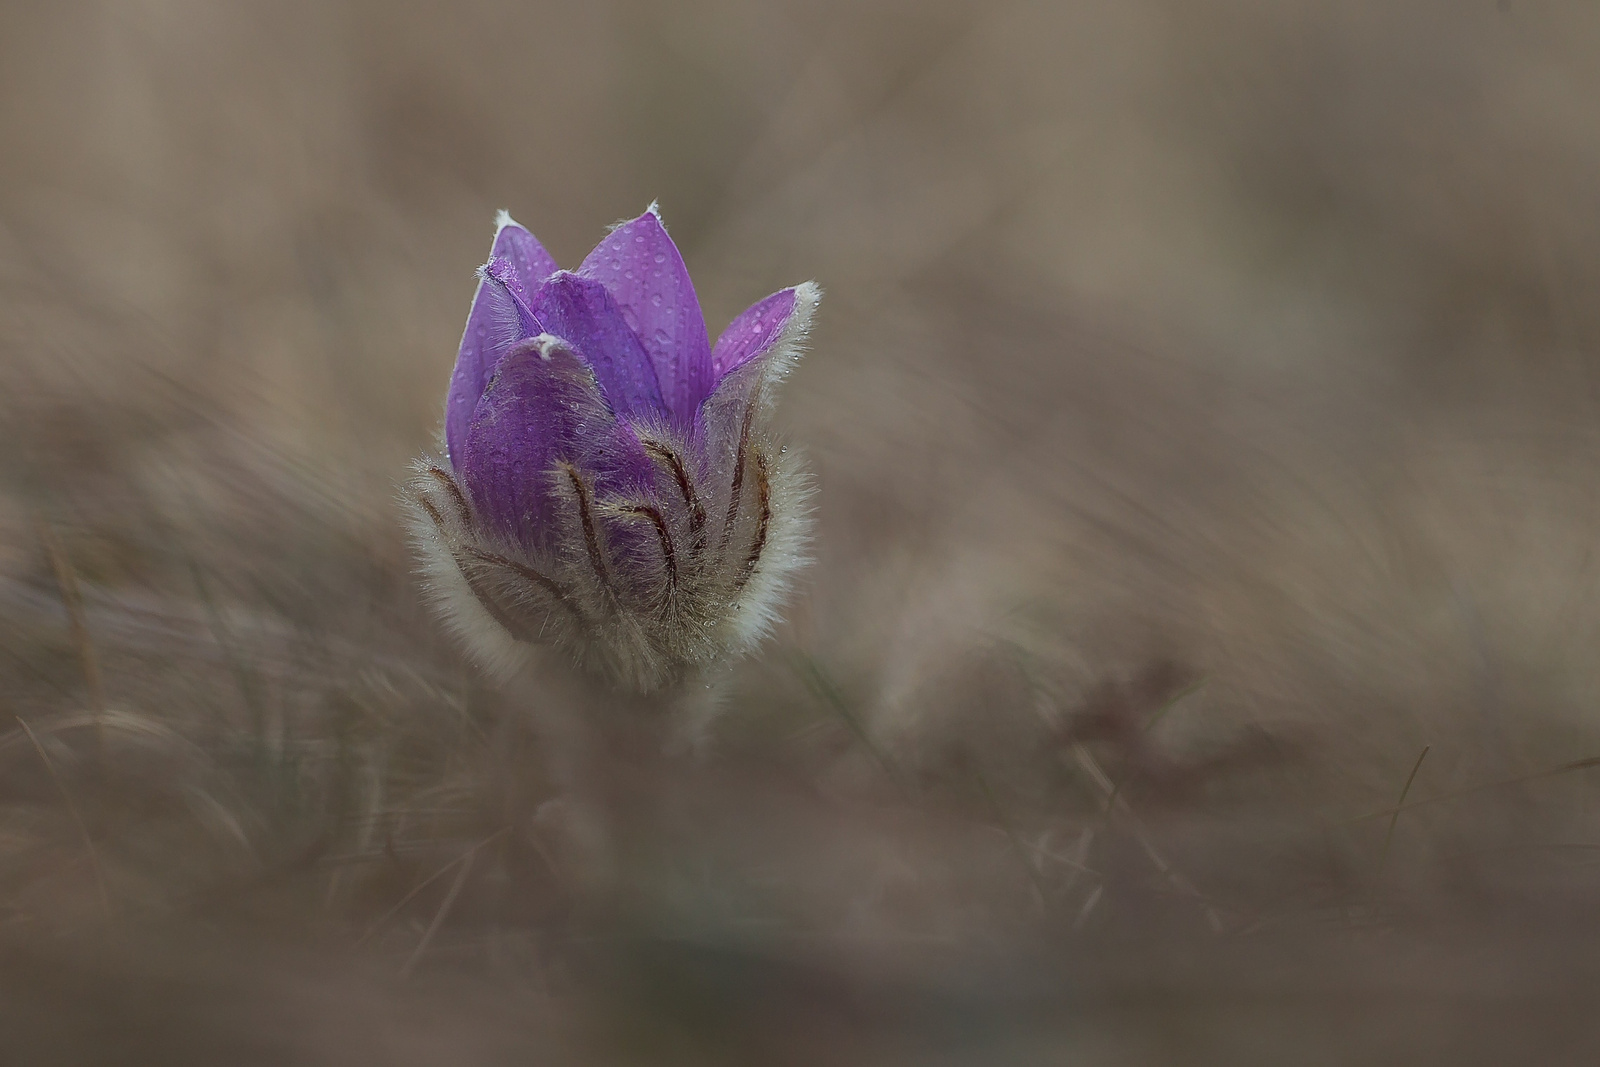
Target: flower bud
611,487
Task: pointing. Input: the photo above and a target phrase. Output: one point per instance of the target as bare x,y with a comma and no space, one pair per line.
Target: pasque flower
610,486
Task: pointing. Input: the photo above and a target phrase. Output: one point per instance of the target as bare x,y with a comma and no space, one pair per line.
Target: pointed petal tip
652,212
502,219
781,320
548,344
567,281
640,265
502,272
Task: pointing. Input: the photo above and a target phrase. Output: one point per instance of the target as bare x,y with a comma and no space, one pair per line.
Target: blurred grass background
1205,413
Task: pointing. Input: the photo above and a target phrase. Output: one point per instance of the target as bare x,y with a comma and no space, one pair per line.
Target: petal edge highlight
517,265
583,313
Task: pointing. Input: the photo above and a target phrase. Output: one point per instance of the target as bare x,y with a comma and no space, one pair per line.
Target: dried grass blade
77,817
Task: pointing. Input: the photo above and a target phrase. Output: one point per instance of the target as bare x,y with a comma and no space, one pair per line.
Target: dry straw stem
1029,865
1116,803
1388,835
464,859
77,818
72,599
820,683
1585,764
439,916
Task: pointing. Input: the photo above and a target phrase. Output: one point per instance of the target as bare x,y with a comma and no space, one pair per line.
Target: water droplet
662,337
655,298
661,257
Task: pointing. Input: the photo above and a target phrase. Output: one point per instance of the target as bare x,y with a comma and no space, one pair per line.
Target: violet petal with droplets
641,267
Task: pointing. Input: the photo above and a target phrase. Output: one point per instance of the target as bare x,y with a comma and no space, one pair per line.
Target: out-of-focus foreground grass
1205,411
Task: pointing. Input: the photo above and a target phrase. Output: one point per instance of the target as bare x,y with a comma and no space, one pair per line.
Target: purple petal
582,313
533,264
493,328
542,406
755,353
517,264
641,267
752,333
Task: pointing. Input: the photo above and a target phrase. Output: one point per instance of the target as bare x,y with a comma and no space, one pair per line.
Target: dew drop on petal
661,257
655,299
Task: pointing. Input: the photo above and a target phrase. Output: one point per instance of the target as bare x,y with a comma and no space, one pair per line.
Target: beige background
1257,338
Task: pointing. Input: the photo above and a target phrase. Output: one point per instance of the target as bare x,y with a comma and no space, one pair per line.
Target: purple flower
610,485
